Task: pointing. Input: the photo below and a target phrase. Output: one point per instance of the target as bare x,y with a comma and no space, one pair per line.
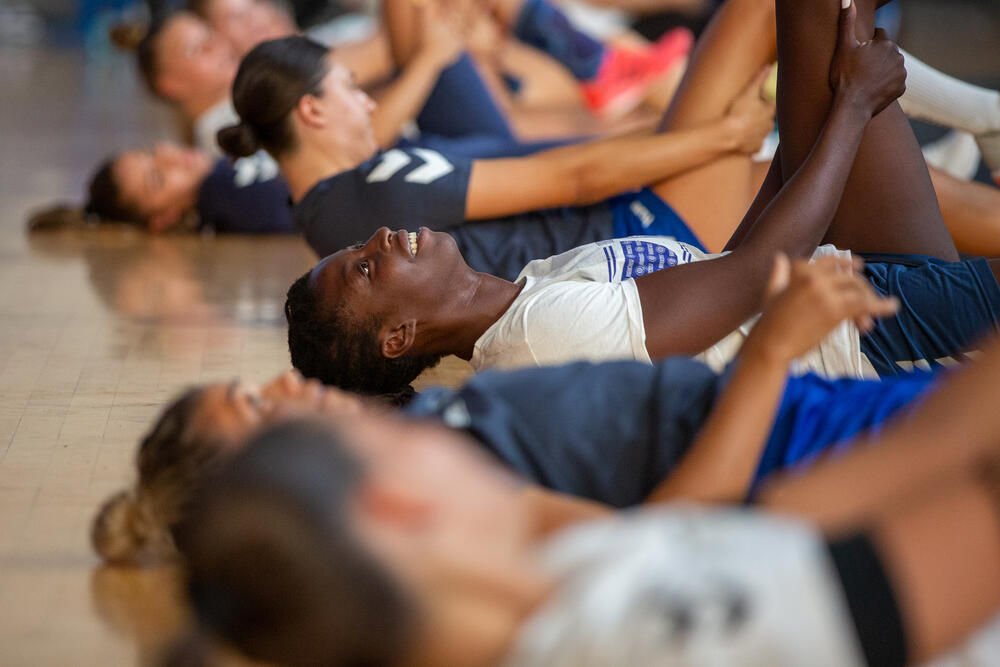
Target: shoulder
414,167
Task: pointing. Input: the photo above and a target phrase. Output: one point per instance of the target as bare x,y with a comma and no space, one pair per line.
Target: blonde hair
135,526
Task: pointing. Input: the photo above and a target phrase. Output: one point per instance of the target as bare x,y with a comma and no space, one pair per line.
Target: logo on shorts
643,257
641,212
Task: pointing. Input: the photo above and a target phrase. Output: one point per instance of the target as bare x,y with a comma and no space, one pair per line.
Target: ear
397,341
164,220
310,112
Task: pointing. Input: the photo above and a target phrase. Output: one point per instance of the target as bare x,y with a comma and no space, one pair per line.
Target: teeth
413,243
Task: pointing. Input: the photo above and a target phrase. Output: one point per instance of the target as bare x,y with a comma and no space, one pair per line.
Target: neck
480,304
196,106
307,165
479,610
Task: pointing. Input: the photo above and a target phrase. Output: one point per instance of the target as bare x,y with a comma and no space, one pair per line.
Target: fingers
848,18
880,36
780,274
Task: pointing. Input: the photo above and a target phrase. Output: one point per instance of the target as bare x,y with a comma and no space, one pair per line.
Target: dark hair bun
238,140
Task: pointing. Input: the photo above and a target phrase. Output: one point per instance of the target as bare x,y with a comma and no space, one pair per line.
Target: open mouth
412,236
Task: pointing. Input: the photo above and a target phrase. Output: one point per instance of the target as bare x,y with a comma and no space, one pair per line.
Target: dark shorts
945,310
643,213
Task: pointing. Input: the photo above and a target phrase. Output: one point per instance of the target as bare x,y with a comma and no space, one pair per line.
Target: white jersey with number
584,305
690,587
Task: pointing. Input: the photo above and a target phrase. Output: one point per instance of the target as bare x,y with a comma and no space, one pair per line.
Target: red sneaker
625,74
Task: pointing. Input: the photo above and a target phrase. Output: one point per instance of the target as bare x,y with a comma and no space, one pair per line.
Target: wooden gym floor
99,330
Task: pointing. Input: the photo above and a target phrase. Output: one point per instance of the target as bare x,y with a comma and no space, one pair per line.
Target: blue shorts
643,213
945,310
817,416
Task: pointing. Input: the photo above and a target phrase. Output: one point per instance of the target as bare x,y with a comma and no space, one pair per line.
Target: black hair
146,57
329,345
271,80
275,568
105,200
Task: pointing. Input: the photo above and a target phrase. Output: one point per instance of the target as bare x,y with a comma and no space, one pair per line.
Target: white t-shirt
584,305
690,587
208,124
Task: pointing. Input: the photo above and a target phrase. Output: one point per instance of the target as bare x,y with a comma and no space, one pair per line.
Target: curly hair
329,345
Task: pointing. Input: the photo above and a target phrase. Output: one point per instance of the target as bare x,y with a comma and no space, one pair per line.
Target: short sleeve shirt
689,587
409,188
609,432
247,196
584,305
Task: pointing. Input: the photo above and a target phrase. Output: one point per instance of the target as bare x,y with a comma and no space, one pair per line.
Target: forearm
798,217
721,463
403,99
603,169
949,432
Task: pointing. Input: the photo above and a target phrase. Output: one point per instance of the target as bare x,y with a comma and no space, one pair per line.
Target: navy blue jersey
611,432
409,188
248,196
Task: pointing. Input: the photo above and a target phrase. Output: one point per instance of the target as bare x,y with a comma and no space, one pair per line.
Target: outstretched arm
596,170
721,463
691,307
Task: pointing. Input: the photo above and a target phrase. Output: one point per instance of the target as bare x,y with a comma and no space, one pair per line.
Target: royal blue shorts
945,310
643,213
817,416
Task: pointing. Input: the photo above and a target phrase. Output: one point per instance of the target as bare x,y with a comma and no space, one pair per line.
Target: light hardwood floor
97,331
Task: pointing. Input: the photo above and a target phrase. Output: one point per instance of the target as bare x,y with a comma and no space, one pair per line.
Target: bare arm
691,307
399,103
590,172
721,463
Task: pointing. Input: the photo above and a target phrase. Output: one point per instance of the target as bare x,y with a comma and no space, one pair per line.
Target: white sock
938,98
955,153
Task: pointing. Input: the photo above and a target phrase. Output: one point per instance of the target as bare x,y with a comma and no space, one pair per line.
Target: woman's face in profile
162,182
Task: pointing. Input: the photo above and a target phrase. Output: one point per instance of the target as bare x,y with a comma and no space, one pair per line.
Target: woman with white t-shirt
371,317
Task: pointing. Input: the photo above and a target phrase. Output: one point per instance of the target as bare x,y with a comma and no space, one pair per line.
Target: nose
380,241
165,153
288,383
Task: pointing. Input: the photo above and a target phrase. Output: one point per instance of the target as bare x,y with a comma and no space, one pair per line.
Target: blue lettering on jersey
642,257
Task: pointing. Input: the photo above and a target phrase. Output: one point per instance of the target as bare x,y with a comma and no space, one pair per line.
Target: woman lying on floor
618,434
370,318
390,544
295,100
169,187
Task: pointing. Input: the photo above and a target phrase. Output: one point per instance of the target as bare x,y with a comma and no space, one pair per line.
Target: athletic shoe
625,74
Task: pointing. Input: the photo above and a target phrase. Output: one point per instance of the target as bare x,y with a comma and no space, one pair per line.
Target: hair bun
238,140
61,216
125,531
127,35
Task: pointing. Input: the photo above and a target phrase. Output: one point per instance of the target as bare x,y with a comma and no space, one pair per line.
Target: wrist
765,352
849,100
729,131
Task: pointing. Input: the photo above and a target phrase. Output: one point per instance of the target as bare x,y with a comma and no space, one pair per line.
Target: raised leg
738,43
889,204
